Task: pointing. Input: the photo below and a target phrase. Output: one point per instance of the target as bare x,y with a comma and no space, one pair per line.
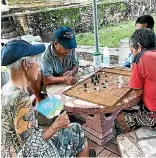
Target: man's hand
70,80
62,121
69,73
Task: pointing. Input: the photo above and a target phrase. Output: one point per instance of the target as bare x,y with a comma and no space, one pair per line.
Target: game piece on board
103,72
103,83
92,79
97,81
94,83
105,75
89,91
104,87
111,76
115,82
98,75
85,85
78,92
106,81
119,86
106,84
97,88
85,89
110,88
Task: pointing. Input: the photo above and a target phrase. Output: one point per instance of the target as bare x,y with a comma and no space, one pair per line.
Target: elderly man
59,63
19,131
143,81
144,21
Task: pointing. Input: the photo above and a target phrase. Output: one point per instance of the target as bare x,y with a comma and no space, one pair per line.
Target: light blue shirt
127,63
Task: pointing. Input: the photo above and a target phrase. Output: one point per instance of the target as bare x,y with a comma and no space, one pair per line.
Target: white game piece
121,81
119,85
111,76
78,92
115,82
106,84
97,88
103,72
89,91
110,88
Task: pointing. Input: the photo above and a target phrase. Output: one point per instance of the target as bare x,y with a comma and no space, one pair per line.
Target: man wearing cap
59,63
20,135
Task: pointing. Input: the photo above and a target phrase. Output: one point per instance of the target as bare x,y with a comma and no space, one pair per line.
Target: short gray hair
17,64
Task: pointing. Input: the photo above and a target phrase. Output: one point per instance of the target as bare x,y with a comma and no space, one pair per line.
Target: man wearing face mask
143,82
59,63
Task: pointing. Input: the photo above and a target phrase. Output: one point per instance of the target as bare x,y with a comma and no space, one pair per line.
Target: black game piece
85,85
97,81
105,75
103,83
94,83
106,81
92,79
104,87
85,89
93,75
98,75
94,88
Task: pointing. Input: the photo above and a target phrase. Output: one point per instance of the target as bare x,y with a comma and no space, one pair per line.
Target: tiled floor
138,143
110,150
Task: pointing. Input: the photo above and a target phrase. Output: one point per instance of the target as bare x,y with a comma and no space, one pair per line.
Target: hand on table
69,73
70,80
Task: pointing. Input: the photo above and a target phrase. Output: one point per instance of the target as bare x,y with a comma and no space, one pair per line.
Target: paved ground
110,150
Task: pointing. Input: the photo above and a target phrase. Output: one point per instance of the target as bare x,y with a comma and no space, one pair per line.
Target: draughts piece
97,88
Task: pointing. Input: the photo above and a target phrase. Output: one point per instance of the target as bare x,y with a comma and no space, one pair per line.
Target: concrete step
8,29
5,23
10,35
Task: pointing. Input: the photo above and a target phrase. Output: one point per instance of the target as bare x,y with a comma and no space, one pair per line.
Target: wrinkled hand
69,73
62,121
70,80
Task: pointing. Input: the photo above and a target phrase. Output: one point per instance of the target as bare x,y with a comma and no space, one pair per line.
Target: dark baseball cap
65,36
16,49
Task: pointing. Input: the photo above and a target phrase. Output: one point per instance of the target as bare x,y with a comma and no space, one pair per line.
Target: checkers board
106,87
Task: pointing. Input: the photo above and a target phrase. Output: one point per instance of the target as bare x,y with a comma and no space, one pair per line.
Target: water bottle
97,59
106,57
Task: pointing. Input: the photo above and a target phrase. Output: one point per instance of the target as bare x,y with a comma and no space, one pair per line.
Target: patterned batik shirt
18,126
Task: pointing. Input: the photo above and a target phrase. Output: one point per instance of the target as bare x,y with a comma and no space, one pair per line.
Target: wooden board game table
99,125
